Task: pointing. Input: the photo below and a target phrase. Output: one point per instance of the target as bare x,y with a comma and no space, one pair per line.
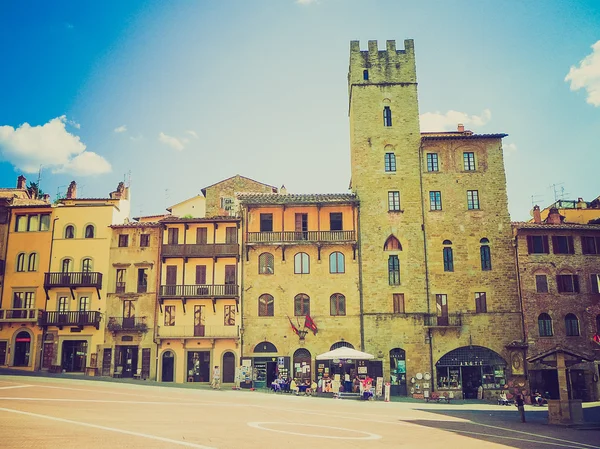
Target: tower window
486,257
390,162
435,200
448,258
366,75
394,201
469,161
387,116
394,270
472,199
432,162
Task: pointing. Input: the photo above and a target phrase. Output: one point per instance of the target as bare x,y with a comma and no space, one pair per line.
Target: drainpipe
360,280
161,234
45,328
5,253
241,259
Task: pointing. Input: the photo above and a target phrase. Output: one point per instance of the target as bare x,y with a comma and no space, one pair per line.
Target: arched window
265,346
448,256
486,256
337,304
341,344
387,116
301,263
572,325
394,270
366,75
65,266
392,244
89,232
389,162
545,325
86,265
70,232
21,262
266,305
336,262
32,262
301,305
266,263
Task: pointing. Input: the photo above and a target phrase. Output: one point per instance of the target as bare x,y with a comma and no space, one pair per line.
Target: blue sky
183,94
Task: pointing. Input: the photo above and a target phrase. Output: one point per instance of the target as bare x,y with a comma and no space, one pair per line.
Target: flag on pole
309,323
294,328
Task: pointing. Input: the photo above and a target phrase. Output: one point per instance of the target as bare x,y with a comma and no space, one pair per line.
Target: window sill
474,210
436,210
401,211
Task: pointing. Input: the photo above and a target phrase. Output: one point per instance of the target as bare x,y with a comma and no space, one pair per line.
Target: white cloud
436,121
192,133
587,75
509,149
306,2
51,145
136,139
121,129
173,142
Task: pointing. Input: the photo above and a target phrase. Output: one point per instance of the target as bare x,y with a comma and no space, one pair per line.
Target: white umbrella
345,353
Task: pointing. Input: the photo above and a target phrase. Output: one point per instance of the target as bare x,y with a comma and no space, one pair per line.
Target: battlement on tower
389,66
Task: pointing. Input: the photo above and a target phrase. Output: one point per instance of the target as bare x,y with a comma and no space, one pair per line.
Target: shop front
260,370
198,366
74,355
398,372
471,372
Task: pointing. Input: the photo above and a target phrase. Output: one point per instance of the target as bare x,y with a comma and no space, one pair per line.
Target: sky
174,96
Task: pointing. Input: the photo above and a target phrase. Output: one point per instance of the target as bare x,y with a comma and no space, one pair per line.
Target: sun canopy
345,353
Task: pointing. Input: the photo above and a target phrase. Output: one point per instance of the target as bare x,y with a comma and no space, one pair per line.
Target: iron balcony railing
198,331
120,287
116,324
306,236
433,320
201,250
19,315
73,279
198,291
142,288
70,319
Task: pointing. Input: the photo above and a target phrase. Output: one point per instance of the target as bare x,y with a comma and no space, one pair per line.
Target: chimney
537,217
21,180
72,191
461,128
554,217
283,190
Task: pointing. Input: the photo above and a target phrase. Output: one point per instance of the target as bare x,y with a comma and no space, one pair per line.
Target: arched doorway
168,367
228,371
265,368
302,365
398,372
341,344
470,367
22,349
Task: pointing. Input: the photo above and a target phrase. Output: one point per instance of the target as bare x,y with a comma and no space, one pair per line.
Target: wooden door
230,235
171,279
199,327
230,280
301,226
145,363
173,236
201,236
442,309
106,360
228,371
48,354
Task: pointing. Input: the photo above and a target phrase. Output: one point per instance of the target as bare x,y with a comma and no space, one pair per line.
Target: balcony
442,321
19,315
198,332
198,291
200,250
302,237
120,324
61,319
72,280
120,287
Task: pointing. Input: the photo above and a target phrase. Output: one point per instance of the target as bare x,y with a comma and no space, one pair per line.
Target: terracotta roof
203,190
549,227
24,202
152,216
461,136
137,224
296,198
199,220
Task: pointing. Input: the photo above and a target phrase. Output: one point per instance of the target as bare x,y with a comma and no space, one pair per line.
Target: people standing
520,403
216,380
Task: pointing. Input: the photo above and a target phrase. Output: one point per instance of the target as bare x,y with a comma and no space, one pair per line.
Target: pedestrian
520,403
216,380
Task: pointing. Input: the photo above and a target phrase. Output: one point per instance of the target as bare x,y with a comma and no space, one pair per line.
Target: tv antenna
559,191
536,200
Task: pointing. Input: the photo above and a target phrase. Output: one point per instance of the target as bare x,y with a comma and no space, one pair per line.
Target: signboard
379,387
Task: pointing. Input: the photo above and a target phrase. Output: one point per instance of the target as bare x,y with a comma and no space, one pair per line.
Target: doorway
301,226
471,379
228,370
168,367
302,359
127,357
198,366
398,372
74,355
22,348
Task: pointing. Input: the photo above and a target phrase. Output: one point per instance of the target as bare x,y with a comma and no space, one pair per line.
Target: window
266,305
229,315
595,283
398,302
336,262
89,232
537,244
84,303
63,304
172,236
301,305
390,162
472,199
567,283
44,222
366,75
337,305
123,241
120,285
29,300
336,221
435,200
469,161
227,205
266,222
33,223
541,283
392,244
562,244
129,309
200,274
432,162
86,265
142,281
387,116
17,300
70,232
394,201
448,258
201,236
20,262
301,263
571,325
144,240
590,245
31,262
486,257
266,263
169,315
231,235
65,266
545,325
598,325
21,223
394,270
480,302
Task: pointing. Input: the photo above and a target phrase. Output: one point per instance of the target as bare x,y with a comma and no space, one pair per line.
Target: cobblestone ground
66,413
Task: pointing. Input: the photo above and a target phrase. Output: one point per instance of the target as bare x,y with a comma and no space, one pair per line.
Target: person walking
520,403
216,380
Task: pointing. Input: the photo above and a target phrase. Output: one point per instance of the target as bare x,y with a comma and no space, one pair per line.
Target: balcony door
230,280
301,227
442,309
63,309
173,236
128,314
199,328
171,280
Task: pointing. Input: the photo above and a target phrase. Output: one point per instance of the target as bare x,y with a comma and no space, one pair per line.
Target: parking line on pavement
110,429
501,437
14,386
109,401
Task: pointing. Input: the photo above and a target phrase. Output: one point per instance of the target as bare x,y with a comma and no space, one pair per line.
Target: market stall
337,369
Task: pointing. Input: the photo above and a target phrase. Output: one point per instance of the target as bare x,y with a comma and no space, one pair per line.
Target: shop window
301,305
336,262
337,304
266,305
545,325
572,325
266,263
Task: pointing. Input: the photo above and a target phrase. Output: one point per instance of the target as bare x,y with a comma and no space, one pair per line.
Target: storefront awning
345,353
